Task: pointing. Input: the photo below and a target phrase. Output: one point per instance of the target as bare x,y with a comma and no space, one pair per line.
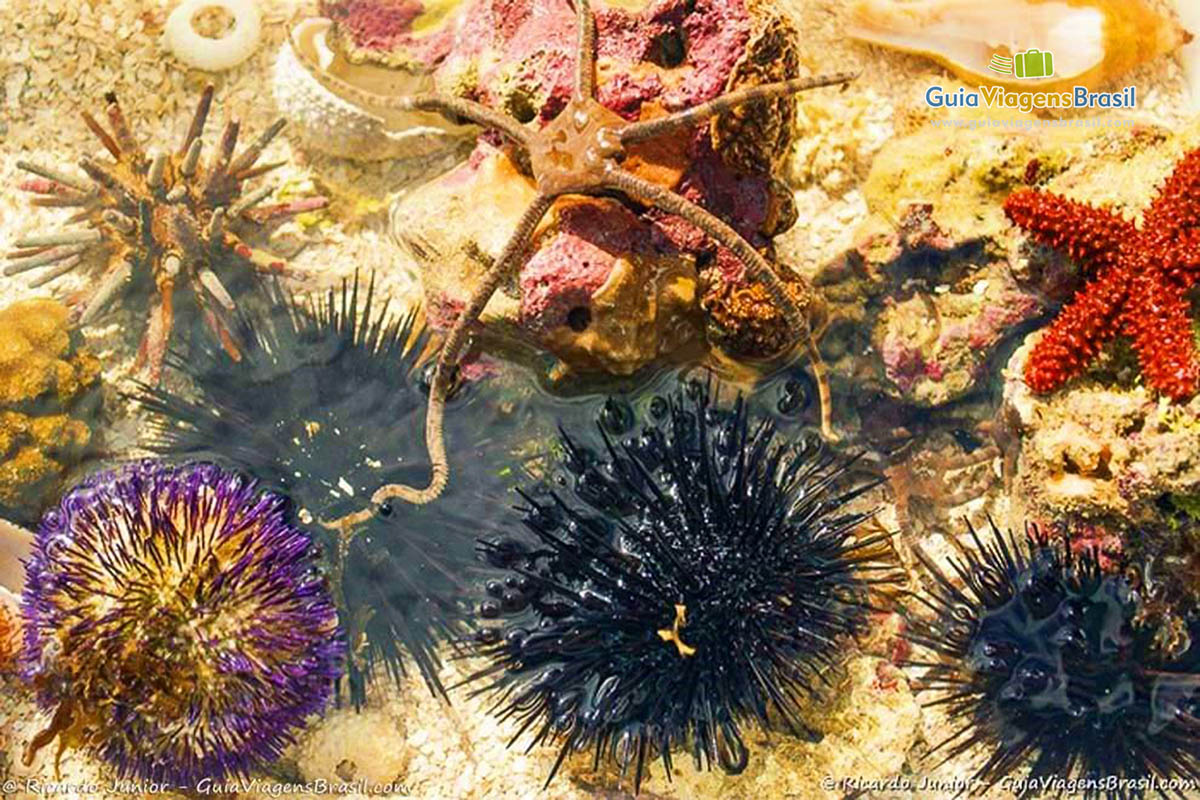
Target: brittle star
580,153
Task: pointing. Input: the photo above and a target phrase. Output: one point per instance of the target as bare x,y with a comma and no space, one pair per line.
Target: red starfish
1138,277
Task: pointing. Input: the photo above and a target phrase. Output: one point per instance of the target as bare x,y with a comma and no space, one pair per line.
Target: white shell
214,55
326,123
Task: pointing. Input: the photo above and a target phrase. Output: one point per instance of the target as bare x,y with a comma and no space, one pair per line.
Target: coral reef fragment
49,405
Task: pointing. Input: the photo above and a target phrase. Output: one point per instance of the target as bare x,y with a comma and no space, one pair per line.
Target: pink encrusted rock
935,345
608,283
574,260
382,31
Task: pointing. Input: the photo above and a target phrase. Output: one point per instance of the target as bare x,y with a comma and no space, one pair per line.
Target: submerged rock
1100,452
610,285
940,279
48,402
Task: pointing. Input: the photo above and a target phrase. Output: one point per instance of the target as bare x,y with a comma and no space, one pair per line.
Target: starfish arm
1091,236
585,62
1079,331
637,131
1181,259
435,439
448,106
1177,205
1160,323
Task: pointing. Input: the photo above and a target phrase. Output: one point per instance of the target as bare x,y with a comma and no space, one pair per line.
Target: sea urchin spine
321,405
176,623
700,574
1043,659
164,220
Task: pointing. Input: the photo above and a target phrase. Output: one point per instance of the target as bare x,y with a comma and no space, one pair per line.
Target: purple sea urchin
164,221
699,574
1044,659
176,623
322,404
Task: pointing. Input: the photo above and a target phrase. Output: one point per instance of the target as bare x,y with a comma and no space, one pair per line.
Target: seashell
204,52
1092,41
329,124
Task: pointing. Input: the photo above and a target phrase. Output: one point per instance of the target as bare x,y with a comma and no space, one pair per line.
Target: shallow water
645,547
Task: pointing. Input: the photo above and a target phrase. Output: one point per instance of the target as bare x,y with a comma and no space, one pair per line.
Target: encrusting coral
1139,276
48,401
581,151
176,623
164,221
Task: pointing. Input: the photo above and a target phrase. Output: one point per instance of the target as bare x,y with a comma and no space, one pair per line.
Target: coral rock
935,345
1099,452
628,274
47,401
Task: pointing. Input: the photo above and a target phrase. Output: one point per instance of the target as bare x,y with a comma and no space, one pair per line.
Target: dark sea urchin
699,573
1045,660
323,403
176,623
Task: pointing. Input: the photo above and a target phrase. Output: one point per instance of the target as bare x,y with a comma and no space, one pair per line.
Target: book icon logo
1033,63
1001,64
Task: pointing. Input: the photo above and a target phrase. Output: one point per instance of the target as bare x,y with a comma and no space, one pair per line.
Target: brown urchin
581,152
164,219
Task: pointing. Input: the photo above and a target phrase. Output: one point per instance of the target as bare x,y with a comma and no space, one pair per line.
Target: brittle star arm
585,61
447,105
757,267
435,440
637,131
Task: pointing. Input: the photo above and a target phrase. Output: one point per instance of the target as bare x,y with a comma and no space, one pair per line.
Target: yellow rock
46,393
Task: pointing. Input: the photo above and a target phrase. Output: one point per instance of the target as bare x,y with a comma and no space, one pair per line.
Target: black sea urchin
165,221
1043,661
699,573
176,623
325,403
